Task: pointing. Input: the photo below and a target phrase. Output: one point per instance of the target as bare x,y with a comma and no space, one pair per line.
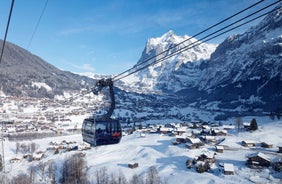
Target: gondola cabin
101,132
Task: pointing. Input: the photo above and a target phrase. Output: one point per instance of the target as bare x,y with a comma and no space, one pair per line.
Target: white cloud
84,67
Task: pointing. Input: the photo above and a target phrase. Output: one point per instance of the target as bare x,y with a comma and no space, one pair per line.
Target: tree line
74,170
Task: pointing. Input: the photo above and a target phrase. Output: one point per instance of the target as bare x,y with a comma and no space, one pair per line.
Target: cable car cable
162,59
7,29
205,30
191,45
205,38
37,24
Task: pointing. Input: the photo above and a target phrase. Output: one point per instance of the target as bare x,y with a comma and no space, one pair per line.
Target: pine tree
253,125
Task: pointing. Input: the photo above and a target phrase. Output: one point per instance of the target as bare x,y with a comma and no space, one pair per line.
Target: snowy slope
254,55
169,160
248,66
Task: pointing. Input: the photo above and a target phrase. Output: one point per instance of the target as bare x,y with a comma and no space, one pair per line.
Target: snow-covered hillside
155,150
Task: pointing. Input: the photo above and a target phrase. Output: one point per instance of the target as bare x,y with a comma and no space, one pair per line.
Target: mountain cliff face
247,67
243,72
24,74
170,74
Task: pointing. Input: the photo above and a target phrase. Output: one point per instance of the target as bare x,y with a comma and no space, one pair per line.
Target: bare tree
136,179
74,170
33,147
17,147
51,171
42,169
239,123
21,179
101,176
32,172
121,178
152,176
1,163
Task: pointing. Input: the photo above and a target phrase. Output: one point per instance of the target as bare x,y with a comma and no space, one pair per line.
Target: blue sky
107,37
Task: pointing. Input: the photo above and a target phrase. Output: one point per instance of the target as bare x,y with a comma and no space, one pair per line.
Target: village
207,143
32,116
208,139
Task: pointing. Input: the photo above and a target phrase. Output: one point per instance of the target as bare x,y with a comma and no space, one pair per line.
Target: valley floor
157,150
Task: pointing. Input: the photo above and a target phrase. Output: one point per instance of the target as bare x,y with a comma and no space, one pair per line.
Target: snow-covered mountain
244,71
170,74
25,74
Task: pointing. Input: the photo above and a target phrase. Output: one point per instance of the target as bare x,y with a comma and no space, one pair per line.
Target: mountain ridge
20,70
243,72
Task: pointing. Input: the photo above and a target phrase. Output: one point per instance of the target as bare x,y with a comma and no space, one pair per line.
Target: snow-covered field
157,150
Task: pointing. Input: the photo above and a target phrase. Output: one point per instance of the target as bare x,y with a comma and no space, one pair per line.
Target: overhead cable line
205,39
205,30
214,34
7,29
37,24
174,54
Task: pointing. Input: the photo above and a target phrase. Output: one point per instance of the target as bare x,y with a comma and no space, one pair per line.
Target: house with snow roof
194,143
258,160
228,169
248,143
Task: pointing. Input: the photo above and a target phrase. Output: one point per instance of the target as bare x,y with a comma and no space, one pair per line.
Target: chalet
194,143
279,149
38,156
219,149
133,165
258,160
218,132
247,125
15,160
206,156
208,138
228,169
180,130
165,130
266,145
228,127
181,139
248,143
277,164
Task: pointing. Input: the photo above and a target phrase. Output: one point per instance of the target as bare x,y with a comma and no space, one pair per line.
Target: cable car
101,132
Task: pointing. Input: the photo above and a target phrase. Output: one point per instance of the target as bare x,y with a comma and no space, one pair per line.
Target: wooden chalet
247,125
15,160
165,130
217,132
266,145
209,138
194,143
219,149
133,165
228,169
207,157
248,143
258,160
279,149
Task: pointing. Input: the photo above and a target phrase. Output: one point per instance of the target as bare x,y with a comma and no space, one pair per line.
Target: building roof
249,142
219,147
195,140
259,154
229,167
